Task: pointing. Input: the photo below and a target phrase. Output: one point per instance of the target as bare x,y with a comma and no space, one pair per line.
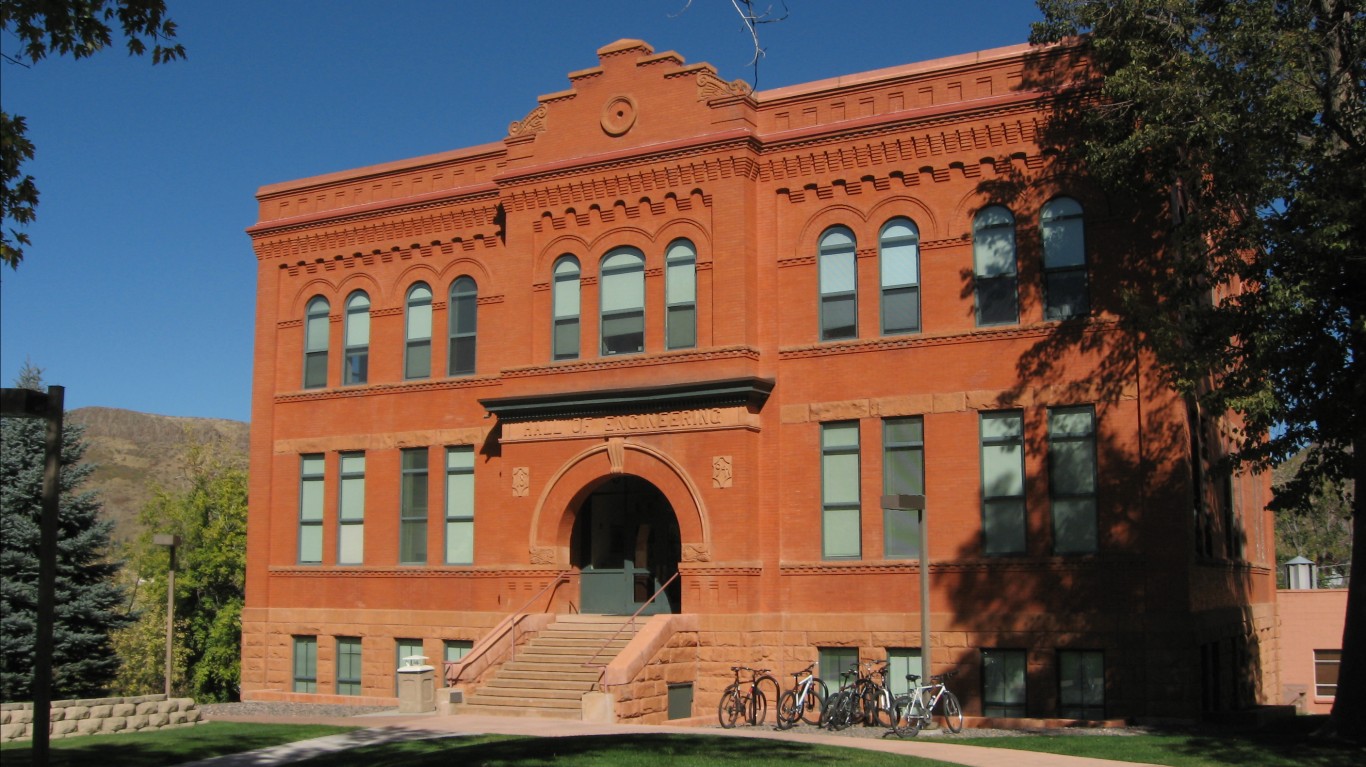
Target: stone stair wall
100,715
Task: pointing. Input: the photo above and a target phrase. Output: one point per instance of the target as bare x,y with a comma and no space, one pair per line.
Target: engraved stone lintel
521,482
721,472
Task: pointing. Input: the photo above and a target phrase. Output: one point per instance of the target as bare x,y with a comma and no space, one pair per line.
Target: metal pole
924,596
170,620
47,577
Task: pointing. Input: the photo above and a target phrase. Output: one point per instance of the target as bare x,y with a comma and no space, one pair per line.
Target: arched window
622,295
1065,291
565,296
315,343
356,367
680,295
417,353
993,255
463,318
899,257
839,302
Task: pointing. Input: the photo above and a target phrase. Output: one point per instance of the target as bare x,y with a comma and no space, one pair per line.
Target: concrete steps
549,675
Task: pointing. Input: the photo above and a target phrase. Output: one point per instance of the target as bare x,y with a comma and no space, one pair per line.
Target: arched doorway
626,546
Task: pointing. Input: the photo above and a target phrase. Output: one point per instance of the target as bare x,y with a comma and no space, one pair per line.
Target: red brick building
667,326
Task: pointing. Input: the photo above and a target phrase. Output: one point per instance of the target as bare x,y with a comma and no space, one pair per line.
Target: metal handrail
513,619
626,625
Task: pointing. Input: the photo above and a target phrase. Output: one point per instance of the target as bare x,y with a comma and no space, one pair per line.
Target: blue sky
138,291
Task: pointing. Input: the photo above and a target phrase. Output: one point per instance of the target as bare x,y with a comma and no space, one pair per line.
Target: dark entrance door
626,546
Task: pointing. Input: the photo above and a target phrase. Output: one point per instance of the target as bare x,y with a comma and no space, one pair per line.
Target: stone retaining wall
100,715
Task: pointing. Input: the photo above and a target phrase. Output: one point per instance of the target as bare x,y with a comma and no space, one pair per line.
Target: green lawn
164,747
1281,744
610,751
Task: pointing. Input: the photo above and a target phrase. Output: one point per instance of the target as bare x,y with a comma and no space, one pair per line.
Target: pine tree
89,605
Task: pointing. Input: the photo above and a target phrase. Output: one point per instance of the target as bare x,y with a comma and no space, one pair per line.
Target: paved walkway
387,728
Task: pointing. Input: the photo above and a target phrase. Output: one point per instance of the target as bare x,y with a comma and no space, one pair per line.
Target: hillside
132,451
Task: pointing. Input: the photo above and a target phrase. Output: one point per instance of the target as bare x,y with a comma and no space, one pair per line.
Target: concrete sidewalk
388,728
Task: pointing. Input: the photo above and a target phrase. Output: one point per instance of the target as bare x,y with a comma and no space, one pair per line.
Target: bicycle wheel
840,710
728,710
814,707
787,710
757,709
908,716
953,713
876,707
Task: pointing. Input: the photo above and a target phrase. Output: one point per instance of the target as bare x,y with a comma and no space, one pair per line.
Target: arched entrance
626,545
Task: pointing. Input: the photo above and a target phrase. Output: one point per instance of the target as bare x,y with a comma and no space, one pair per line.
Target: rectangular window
1326,663
903,472
834,661
1072,478
900,662
305,664
456,649
1081,684
403,650
311,481
1003,502
840,491
1003,683
351,510
348,665
412,515
460,505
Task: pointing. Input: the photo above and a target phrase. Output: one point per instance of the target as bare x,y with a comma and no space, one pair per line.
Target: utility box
416,687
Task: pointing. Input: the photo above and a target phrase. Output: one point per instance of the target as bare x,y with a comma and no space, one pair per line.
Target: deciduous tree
1244,123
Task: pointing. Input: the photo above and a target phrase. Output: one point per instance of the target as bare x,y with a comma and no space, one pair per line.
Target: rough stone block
147,707
115,724
177,717
77,712
123,709
6,716
137,722
13,731
102,711
167,706
89,726
23,716
64,727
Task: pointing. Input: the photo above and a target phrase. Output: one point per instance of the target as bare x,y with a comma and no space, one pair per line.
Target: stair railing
507,624
624,626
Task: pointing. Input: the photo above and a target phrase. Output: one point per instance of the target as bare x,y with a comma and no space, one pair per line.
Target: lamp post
904,502
170,541
28,403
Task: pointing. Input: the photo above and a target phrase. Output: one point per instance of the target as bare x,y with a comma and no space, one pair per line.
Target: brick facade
747,448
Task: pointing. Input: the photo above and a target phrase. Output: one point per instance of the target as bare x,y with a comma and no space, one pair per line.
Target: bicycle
744,699
859,699
875,705
915,710
805,701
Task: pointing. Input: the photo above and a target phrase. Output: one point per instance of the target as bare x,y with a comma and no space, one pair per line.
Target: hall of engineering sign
633,423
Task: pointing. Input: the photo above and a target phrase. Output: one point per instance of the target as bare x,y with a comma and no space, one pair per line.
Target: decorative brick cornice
1081,563
634,360
534,122
718,571
711,87
376,390
416,571
1029,332
646,173
348,230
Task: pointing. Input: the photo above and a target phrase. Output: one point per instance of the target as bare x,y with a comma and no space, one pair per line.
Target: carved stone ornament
696,552
521,482
618,115
542,555
721,472
709,87
616,454
534,122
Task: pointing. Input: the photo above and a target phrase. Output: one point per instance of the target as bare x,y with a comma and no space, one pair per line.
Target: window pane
1066,294
994,252
838,317
1003,682
902,533
420,316
903,430
900,662
623,282
681,283
462,355
840,478
1061,231
352,498
311,500
900,264
837,272
357,366
316,337
905,469
459,495
456,649
839,435
419,362
1004,526
412,544
1326,666
841,533
996,300
623,333
310,543
1001,471
459,542
1002,425
358,324
466,312
566,296
351,545
566,339
901,310
834,661
682,326
1074,525
1073,467
315,369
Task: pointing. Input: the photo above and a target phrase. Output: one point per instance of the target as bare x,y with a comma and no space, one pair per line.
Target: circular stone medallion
618,115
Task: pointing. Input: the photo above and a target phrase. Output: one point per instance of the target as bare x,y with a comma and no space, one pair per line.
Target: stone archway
625,546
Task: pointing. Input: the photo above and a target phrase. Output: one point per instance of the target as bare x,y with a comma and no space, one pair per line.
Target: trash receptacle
416,686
